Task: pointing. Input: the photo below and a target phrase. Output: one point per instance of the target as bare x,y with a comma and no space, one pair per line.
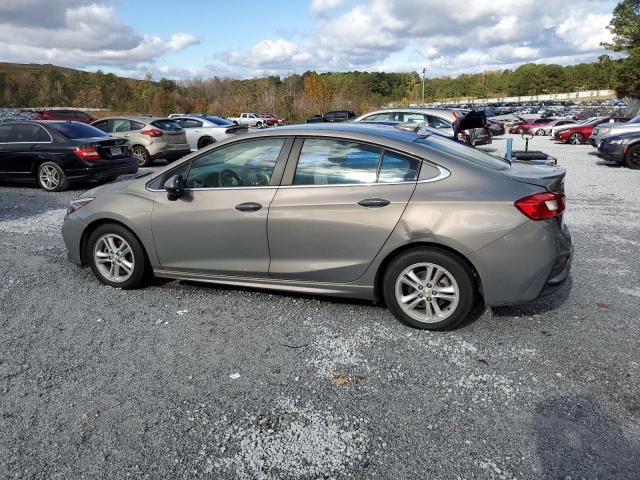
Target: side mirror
174,187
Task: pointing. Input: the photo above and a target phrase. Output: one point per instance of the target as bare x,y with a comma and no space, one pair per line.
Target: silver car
204,130
428,225
613,128
151,138
439,118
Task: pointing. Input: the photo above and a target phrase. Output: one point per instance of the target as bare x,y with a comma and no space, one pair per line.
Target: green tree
625,28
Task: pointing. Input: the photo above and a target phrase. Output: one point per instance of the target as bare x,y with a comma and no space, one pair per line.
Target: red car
273,119
581,133
521,128
71,115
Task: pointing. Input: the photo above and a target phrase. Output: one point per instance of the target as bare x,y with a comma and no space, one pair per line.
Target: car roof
137,118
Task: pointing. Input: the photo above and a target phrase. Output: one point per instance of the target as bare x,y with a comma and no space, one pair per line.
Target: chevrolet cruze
427,225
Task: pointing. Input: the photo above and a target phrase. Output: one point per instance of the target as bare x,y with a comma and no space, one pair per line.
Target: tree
625,27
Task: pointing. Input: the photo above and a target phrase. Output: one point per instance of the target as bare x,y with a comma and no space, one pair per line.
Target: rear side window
166,125
398,168
218,120
78,130
334,162
412,117
437,122
28,133
103,125
464,152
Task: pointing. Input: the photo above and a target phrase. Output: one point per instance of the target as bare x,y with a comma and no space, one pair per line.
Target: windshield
75,130
218,120
464,152
635,120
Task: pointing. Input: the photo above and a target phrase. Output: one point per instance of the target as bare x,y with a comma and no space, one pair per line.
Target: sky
251,38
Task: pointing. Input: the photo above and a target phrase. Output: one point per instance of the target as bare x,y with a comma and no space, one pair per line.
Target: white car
206,129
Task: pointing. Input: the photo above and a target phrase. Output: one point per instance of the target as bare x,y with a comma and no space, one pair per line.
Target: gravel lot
101,383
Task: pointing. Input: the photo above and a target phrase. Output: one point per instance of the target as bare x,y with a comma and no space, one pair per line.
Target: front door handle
374,202
248,207
35,147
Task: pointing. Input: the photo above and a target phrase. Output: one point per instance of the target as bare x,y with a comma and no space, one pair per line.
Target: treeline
295,96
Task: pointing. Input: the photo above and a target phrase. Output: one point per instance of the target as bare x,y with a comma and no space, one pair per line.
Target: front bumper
612,152
72,230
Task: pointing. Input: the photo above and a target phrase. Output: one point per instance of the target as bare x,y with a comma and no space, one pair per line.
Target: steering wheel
229,178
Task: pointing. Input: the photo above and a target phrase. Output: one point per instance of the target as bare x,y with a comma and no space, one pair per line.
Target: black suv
333,117
56,153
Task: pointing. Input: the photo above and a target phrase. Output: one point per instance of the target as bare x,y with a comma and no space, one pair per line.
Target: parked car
151,138
55,154
497,128
64,114
528,124
542,130
623,148
205,130
333,117
578,134
358,211
273,120
249,120
439,118
616,128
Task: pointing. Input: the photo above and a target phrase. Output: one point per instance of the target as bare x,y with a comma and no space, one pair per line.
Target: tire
520,131
454,275
109,179
128,270
141,153
632,158
576,138
51,177
205,141
540,132
259,125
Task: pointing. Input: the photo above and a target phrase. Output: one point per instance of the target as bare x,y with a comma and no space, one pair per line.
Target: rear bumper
532,261
171,154
101,172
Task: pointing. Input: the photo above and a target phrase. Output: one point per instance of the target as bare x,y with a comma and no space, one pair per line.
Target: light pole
424,72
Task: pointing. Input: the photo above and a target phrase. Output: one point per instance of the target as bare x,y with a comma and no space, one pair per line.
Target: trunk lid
549,177
108,148
172,132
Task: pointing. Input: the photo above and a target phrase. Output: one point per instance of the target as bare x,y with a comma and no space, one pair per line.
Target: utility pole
424,72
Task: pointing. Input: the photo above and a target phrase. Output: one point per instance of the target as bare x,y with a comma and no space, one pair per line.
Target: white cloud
77,33
410,34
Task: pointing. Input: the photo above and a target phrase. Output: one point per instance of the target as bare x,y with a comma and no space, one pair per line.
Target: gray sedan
428,225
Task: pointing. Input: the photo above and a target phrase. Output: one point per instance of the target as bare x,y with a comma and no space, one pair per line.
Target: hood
549,177
107,188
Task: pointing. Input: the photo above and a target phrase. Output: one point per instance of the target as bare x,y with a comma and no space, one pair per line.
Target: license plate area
115,151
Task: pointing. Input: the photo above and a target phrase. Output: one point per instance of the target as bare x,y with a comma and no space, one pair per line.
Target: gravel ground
188,381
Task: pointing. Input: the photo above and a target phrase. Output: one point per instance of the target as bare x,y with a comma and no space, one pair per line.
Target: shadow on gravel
541,305
576,439
605,163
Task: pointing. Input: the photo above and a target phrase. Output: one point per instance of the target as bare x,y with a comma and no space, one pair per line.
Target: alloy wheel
427,292
575,139
114,258
49,177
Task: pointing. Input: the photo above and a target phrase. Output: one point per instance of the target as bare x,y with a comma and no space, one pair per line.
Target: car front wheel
632,158
116,256
429,289
576,139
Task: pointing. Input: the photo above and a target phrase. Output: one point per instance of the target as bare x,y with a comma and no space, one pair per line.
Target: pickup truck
250,120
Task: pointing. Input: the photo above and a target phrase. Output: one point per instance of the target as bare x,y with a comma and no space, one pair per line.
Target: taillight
542,206
153,132
87,153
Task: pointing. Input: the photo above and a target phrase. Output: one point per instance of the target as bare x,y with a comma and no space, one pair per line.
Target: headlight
77,203
616,141
604,131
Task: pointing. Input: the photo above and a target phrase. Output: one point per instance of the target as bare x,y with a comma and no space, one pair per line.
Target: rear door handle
248,207
35,147
374,202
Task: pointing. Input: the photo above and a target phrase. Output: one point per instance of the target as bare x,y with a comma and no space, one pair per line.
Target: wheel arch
91,227
377,286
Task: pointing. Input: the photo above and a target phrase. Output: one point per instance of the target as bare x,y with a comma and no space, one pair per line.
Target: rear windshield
77,130
166,125
635,120
463,151
218,120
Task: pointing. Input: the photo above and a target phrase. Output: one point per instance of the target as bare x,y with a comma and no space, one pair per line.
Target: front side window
103,125
412,117
121,125
244,164
334,162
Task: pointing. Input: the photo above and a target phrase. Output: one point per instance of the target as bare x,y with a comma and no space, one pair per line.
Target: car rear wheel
141,153
576,138
51,177
116,256
429,289
205,141
632,158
